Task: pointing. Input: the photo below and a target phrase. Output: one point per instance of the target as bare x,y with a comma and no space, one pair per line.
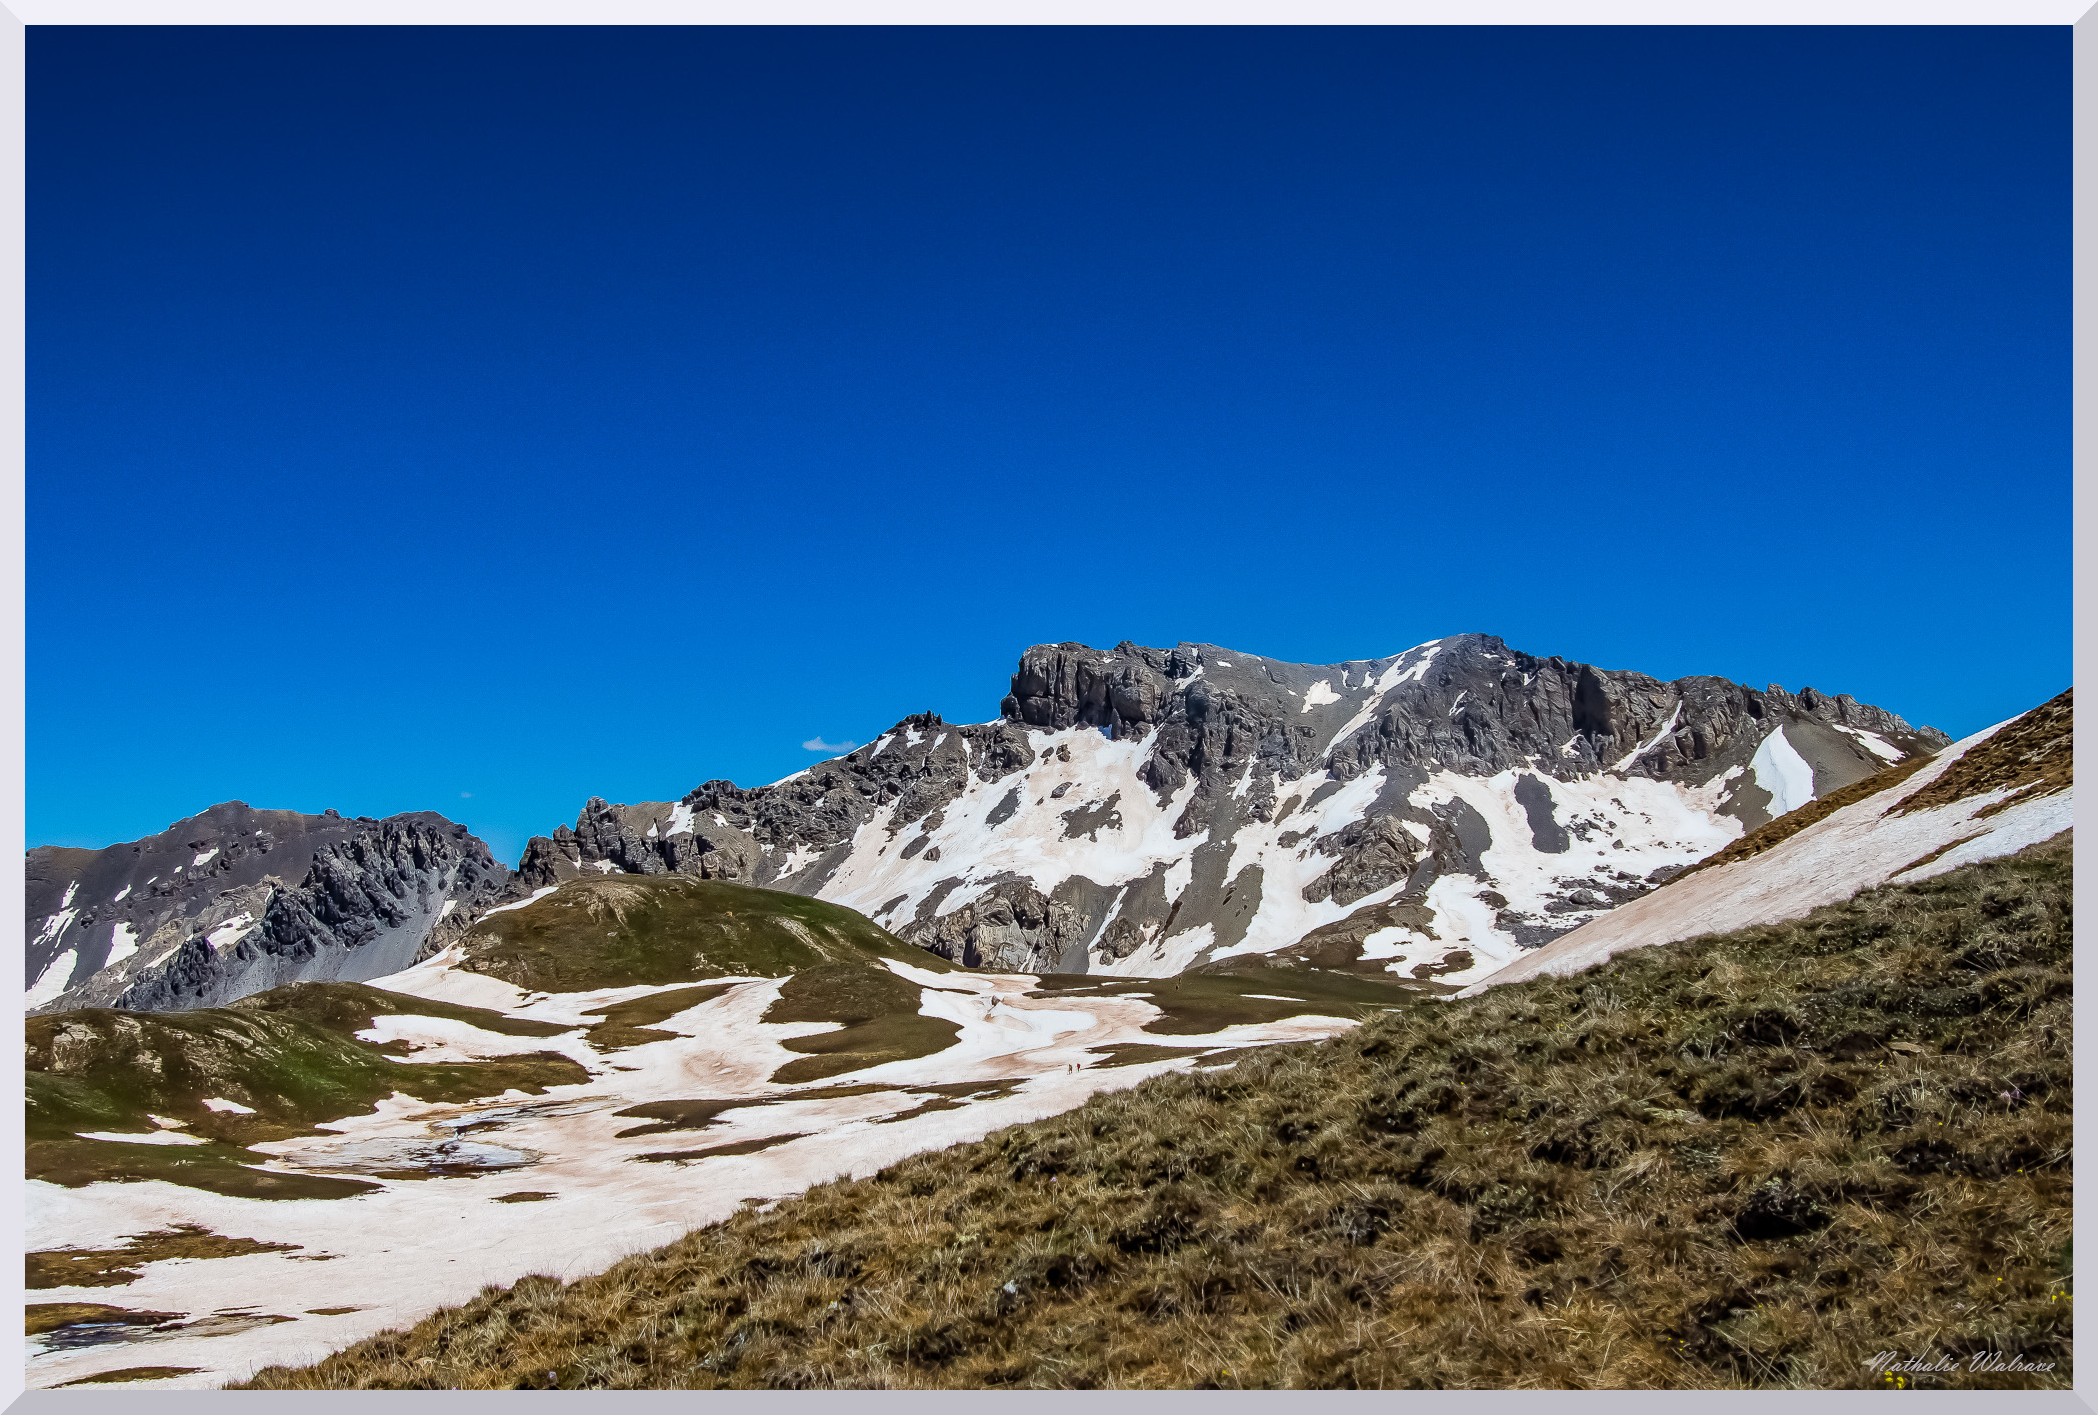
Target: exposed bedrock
236,900
1012,928
1232,747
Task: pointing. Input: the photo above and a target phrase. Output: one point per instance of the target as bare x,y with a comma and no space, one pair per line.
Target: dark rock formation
235,901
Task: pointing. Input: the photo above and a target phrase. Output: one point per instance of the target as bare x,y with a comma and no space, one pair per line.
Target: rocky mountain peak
236,900
1143,809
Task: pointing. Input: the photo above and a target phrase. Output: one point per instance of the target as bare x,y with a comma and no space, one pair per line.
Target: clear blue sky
478,421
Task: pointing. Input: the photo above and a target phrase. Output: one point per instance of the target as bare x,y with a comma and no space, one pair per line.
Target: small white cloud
817,744
466,795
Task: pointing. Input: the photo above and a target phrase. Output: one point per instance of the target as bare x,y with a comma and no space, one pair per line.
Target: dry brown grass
1750,1160
131,1373
2035,752
117,1267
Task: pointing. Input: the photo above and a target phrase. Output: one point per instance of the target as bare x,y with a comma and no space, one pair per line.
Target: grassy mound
289,1056
1241,991
631,930
1754,1159
879,1016
116,1267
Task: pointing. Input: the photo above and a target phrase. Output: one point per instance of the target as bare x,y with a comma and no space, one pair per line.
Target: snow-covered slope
1139,812
1990,794
669,1124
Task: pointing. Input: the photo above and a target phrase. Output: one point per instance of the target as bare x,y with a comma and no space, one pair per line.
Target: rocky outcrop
1141,809
1013,928
1137,810
235,901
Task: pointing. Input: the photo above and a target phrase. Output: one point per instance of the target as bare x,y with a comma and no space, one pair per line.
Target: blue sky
478,421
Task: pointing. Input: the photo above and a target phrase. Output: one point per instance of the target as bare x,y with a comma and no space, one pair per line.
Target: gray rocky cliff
959,837
234,901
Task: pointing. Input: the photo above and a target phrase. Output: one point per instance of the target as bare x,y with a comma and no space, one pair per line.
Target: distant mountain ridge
233,901
1143,810
1136,811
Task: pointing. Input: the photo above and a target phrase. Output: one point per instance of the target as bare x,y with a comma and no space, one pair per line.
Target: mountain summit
1134,811
1145,811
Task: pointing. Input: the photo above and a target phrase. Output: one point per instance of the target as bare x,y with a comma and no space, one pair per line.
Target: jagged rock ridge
1146,810
234,900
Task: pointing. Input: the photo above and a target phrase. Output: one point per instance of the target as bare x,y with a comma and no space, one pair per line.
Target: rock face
1143,810
1134,810
235,901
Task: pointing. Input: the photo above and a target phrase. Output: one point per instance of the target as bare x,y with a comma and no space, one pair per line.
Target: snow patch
52,981
230,932
1872,742
1783,772
537,895
1667,730
123,942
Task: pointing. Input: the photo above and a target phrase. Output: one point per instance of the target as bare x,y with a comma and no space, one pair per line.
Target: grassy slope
289,1055
2035,753
1756,1159
1213,996
629,930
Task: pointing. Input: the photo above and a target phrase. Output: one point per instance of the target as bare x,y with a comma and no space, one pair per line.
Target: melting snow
230,1107
1873,743
57,923
231,931
537,895
52,982
1783,772
1319,694
1854,848
205,855
123,942
798,859
413,1245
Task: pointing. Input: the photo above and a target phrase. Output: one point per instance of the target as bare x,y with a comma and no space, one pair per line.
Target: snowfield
1628,828
1856,848
396,1254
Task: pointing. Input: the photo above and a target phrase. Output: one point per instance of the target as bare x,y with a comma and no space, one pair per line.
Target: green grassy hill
1749,1160
629,930
290,1056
